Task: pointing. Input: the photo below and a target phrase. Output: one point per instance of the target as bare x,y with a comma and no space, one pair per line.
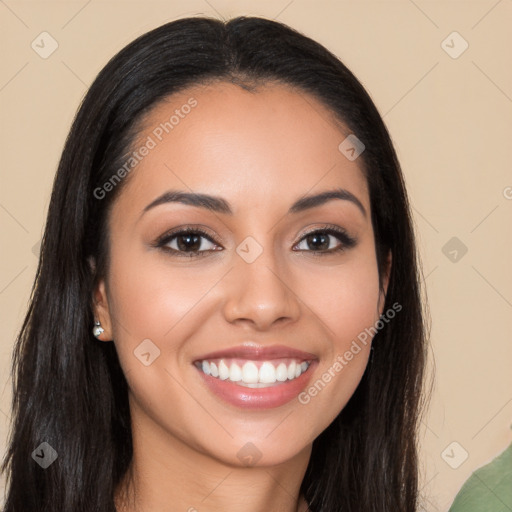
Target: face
225,332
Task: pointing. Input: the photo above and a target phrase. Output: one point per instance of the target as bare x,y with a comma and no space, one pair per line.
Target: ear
385,283
100,307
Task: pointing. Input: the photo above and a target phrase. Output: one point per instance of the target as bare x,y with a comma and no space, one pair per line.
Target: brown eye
320,240
187,242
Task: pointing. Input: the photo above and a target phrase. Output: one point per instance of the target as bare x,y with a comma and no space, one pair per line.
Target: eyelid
324,227
199,228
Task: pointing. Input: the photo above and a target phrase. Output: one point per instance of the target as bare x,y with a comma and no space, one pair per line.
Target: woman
227,313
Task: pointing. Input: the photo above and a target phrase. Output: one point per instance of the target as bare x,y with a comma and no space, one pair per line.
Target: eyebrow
219,205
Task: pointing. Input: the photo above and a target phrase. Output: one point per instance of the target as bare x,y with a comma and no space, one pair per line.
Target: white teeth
250,373
291,370
281,372
235,373
267,373
223,370
250,376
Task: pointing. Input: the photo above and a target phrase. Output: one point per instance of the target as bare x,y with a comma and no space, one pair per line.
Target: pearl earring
97,329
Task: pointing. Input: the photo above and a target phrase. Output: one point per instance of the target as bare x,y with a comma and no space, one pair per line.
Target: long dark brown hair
69,389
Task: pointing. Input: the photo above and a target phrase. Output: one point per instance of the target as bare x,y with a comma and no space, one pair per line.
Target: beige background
450,119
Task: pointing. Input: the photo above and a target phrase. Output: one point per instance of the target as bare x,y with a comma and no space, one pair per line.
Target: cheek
152,300
355,306
345,298
346,302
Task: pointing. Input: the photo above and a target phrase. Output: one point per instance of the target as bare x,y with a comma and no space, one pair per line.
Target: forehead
261,148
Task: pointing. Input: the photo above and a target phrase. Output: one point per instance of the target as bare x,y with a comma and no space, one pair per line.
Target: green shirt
489,488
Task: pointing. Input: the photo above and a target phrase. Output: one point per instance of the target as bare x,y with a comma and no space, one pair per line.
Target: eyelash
347,242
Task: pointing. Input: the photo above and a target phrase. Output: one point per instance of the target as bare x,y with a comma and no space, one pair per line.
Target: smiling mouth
254,373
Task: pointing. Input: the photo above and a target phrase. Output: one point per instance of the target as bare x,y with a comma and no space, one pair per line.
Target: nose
260,293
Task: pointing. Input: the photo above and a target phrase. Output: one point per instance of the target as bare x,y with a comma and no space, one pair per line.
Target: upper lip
257,352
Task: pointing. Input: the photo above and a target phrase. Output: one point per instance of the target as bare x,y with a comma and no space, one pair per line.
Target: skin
261,151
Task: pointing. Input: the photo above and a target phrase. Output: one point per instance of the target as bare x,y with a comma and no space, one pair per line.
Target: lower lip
258,398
